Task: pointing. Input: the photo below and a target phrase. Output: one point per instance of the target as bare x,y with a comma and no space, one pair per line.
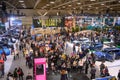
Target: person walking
102,66
63,73
106,71
80,65
93,72
86,66
20,73
118,75
74,50
15,74
17,53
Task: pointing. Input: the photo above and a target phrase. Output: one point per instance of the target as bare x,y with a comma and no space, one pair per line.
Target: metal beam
70,13
71,1
39,13
96,3
45,13
37,2
10,4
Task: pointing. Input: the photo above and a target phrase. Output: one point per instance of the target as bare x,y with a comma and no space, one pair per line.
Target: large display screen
48,22
53,22
37,23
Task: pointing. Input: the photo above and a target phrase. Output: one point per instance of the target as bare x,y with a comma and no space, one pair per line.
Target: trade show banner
69,21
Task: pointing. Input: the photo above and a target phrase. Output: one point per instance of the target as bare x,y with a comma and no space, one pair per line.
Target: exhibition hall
59,39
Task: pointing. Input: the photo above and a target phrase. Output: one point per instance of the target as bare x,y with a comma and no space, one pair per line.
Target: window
39,69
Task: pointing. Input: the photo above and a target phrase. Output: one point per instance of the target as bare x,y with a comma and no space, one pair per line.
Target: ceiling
62,7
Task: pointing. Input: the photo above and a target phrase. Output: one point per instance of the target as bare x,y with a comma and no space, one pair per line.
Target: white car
76,42
81,41
84,40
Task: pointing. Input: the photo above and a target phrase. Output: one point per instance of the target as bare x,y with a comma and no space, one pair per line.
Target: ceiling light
92,0
21,1
52,2
42,7
47,5
111,8
63,7
90,6
102,4
23,4
74,8
58,8
57,13
78,3
96,7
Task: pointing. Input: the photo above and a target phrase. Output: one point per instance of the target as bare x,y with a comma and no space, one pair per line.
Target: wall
26,20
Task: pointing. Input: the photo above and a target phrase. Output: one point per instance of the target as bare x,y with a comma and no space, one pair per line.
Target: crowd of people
17,74
53,48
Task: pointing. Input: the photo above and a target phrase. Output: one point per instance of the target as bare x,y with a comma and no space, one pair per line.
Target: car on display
96,46
5,49
7,40
81,41
109,54
89,45
76,42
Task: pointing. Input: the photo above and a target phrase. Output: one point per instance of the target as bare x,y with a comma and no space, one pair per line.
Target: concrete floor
11,64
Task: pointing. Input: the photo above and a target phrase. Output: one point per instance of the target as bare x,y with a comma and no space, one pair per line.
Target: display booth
40,69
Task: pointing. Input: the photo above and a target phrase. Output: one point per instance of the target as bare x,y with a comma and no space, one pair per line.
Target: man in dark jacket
93,72
20,73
